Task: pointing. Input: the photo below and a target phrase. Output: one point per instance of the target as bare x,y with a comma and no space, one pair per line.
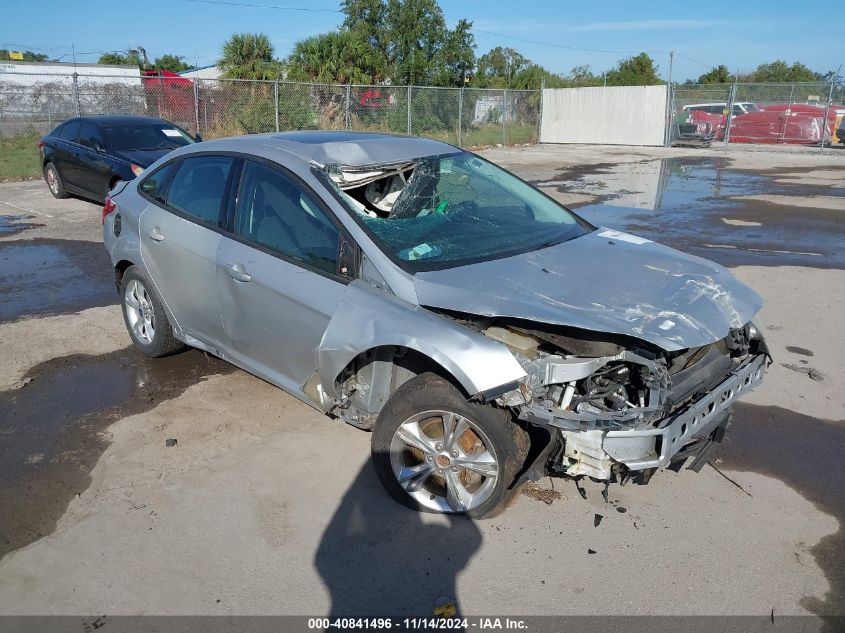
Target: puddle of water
685,203
806,454
41,277
14,224
50,431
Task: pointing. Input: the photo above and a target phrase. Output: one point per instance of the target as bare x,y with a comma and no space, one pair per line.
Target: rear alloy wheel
144,316
54,181
434,451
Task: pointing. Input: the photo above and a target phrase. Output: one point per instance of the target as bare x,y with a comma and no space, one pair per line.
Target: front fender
367,318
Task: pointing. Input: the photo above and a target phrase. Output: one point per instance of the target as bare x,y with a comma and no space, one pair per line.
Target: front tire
435,451
144,316
54,181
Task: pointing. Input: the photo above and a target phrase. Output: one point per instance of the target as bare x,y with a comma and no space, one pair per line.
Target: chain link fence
756,114
759,114
33,104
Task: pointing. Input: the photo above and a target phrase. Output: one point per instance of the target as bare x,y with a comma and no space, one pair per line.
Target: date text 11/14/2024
418,624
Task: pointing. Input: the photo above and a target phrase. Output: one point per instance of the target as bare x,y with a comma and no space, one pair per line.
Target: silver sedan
484,333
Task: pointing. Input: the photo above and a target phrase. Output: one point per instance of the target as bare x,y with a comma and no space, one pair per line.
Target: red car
797,124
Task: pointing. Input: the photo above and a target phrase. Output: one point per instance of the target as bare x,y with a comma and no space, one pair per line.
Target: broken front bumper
594,452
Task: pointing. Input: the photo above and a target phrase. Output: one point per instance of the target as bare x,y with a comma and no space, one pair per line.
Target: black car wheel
54,181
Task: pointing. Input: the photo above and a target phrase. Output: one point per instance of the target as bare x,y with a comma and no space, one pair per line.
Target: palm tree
336,57
249,56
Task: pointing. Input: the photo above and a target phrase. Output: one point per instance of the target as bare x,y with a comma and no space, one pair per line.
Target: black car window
69,131
152,184
152,135
89,135
198,186
274,212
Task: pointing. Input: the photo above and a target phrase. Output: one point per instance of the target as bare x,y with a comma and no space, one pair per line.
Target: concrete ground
265,506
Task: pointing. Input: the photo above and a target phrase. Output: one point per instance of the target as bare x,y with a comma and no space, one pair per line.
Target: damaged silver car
485,334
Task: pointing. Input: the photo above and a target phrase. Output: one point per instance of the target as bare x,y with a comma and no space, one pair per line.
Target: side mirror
98,147
197,138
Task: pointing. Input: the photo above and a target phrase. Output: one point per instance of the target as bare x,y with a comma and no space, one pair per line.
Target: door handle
238,272
155,234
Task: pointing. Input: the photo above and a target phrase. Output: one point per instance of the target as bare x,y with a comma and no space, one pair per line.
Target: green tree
780,71
249,56
498,67
634,71
131,58
457,56
368,19
716,75
583,76
28,56
416,31
336,57
173,63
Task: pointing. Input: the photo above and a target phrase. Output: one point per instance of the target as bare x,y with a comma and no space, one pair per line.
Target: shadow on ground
378,558
806,454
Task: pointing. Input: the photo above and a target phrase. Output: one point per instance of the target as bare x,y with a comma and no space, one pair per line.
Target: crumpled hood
142,158
605,281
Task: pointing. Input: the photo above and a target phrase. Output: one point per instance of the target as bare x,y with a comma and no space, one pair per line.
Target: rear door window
153,185
89,136
198,188
70,131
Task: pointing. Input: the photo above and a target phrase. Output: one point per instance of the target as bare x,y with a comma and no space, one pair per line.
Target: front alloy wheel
435,451
444,461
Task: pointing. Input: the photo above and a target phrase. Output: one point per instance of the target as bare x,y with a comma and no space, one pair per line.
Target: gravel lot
267,507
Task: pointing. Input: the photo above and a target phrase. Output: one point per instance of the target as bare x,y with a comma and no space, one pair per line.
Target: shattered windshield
446,211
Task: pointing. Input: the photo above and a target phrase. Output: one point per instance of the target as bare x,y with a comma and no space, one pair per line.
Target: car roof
354,149
111,119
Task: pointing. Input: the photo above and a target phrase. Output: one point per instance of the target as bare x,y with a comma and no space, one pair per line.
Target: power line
571,48
694,61
266,6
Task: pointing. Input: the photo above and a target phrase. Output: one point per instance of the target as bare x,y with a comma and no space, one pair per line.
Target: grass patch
19,158
514,134
486,135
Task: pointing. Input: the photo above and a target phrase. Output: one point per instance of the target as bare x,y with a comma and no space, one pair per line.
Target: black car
87,155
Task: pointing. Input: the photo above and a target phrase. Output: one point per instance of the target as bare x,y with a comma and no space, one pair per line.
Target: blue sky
740,34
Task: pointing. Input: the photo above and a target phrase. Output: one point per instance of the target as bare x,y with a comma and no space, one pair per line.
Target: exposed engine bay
622,406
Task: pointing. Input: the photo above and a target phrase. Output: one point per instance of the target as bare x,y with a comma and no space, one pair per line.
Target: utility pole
671,62
667,136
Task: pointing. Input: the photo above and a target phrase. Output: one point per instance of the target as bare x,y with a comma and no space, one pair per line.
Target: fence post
409,109
731,98
76,93
504,117
824,121
540,113
460,115
346,105
276,102
197,105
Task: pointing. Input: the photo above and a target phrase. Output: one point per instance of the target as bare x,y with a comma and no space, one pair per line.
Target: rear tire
453,456
144,316
54,181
